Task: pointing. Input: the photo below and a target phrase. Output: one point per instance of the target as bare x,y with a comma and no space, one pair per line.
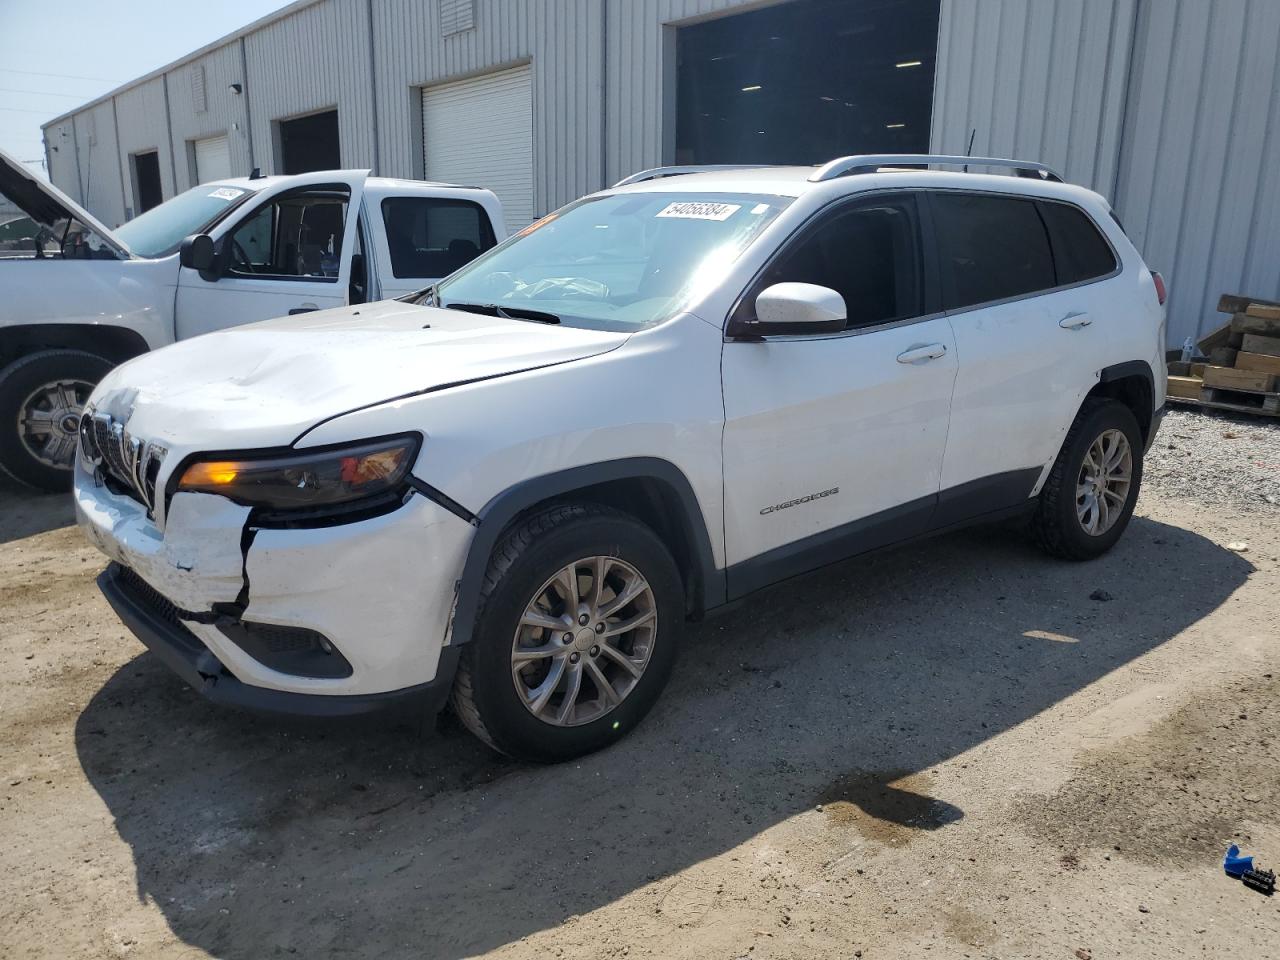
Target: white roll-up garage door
213,159
479,132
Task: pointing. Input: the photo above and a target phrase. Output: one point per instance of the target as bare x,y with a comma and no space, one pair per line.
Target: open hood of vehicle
44,203
266,384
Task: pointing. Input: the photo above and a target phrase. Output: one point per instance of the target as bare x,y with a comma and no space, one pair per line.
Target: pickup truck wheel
41,398
575,637
1091,491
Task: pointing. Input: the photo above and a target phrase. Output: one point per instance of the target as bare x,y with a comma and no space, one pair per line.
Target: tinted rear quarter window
1080,251
991,248
431,237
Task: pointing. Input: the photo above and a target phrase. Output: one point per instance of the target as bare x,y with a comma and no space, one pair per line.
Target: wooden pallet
1237,401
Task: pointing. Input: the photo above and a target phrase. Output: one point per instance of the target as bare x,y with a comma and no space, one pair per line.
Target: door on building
866,85
147,192
310,143
479,132
836,441
211,158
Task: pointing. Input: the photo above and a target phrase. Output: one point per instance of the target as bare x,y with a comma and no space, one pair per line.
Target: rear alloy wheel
41,399
575,636
1090,493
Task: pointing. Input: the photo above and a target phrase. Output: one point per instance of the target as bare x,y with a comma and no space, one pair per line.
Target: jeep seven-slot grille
132,465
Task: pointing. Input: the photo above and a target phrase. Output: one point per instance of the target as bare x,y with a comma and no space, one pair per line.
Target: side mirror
197,253
789,308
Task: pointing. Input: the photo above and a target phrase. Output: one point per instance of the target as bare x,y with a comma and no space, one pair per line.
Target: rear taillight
1162,293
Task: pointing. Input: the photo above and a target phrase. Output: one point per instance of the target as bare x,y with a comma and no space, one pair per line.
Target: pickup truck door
289,251
420,239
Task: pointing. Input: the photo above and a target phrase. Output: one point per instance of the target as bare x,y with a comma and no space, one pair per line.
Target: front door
833,444
289,252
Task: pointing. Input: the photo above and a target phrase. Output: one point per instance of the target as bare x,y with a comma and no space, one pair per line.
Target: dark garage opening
310,143
806,81
147,192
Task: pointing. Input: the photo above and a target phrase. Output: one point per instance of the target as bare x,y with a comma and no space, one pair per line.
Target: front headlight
312,478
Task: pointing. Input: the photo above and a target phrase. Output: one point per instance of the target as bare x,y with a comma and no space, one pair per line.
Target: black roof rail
872,162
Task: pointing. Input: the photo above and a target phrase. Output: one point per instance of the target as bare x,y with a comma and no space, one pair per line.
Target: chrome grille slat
132,463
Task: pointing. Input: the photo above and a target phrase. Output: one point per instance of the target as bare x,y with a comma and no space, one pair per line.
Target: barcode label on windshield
226,193
699,210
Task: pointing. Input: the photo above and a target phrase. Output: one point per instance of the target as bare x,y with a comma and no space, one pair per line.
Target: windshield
161,230
616,262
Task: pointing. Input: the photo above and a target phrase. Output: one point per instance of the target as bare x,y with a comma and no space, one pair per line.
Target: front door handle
1075,321
930,351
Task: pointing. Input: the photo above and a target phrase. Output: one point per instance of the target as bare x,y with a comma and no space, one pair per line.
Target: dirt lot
948,748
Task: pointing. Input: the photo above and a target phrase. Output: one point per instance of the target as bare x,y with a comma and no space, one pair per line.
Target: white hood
265,384
45,203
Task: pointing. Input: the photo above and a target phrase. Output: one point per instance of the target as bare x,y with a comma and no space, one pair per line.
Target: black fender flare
1130,368
494,517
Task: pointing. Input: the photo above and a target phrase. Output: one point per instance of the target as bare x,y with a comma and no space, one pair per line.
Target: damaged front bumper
325,620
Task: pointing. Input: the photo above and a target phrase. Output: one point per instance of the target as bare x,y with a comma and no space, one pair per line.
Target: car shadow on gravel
373,837
27,513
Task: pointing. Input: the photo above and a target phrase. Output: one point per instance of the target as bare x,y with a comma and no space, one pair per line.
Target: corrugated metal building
1169,107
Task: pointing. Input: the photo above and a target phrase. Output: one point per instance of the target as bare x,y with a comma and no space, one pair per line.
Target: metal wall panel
1035,79
60,148
143,125
312,60
99,164
1199,186
225,112
560,39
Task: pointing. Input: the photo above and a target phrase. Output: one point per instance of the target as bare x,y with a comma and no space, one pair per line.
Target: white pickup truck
81,298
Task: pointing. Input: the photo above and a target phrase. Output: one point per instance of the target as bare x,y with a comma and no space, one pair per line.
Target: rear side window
430,237
869,253
991,248
1080,251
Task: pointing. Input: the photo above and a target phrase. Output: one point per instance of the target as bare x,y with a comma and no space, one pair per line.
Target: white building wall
1169,107
312,60
143,125
224,112
1199,184
560,39
99,164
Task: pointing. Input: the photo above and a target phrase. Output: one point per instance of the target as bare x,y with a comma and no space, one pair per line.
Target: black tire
17,382
1055,524
484,694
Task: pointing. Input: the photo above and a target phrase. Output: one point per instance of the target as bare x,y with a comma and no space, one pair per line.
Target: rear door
287,252
423,239
1026,328
833,443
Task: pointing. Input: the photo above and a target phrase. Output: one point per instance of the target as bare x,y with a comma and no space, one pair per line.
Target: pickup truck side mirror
794,308
197,253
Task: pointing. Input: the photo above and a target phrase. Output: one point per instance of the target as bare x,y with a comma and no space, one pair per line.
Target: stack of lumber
1243,368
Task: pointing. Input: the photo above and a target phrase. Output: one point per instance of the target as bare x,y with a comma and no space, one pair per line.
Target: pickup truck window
431,237
161,230
297,235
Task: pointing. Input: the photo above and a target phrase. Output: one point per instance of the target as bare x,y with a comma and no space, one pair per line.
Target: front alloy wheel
575,636
584,641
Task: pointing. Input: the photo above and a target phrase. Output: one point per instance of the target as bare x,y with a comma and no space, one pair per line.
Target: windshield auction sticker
699,210
226,193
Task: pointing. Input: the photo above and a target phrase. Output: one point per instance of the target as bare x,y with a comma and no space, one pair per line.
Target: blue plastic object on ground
1234,864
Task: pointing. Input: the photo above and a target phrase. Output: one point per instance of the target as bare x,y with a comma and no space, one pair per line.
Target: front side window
869,253
297,235
161,230
433,236
616,262
991,248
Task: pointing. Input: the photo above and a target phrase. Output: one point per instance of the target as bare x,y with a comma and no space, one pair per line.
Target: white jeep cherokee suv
514,488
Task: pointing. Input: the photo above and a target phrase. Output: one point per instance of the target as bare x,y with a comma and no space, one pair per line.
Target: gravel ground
957,749
1216,458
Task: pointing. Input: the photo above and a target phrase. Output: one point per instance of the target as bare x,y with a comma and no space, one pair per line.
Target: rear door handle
930,351
1074,321
305,308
